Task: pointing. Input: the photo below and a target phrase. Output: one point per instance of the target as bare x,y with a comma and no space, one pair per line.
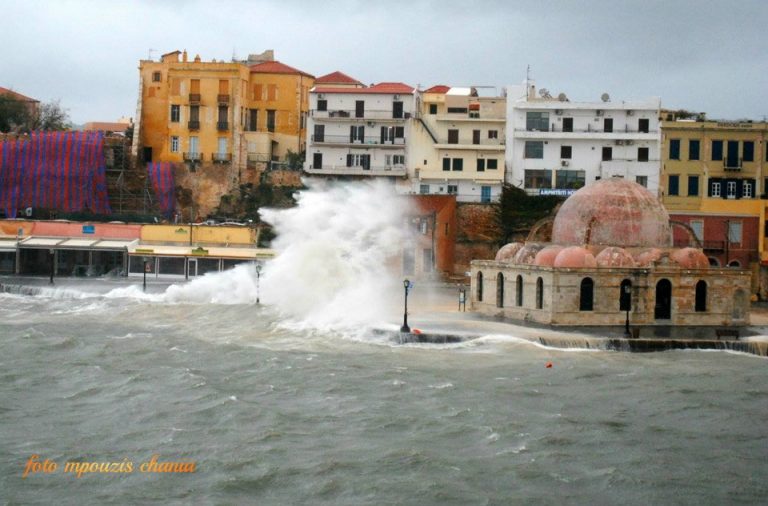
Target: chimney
184,56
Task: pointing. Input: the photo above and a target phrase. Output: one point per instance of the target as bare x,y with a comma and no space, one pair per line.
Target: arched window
587,294
701,296
479,286
625,295
500,290
714,262
663,307
519,291
539,293
734,263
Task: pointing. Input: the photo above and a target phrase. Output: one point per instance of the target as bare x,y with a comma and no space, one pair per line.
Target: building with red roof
338,80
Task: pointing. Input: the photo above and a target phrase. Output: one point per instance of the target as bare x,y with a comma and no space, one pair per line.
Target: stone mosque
609,258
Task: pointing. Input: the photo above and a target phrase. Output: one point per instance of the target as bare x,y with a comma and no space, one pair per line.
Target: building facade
555,146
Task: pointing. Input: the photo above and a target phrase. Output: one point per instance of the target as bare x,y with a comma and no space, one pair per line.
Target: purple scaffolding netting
161,175
54,170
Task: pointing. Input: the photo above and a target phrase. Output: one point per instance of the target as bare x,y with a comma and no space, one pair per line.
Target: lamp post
405,327
52,255
258,276
628,295
146,264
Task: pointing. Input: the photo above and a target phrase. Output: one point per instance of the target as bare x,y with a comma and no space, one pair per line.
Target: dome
546,257
690,258
575,257
614,257
507,252
527,253
647,257
612,212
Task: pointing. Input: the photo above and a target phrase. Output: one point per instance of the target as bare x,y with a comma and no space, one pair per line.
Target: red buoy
549,365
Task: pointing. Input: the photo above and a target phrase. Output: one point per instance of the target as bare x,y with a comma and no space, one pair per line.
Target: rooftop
276,67
16,96
380,88
337,77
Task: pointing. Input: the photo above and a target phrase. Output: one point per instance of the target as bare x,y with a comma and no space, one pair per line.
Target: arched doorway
479,286
701,296
500,290
663,308
625,295
539,293
519,291
586,294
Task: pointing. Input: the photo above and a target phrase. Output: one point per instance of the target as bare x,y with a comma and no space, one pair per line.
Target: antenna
605,97
149,53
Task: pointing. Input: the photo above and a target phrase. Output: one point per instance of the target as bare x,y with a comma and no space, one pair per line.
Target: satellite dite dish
562,98
605,97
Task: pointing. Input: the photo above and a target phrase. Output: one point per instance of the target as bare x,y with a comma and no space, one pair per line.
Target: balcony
588,133
193,157
733,165
443,143
381,170
349,114
367,141
222,157
194,98
193,125
222,99
714,245
222,126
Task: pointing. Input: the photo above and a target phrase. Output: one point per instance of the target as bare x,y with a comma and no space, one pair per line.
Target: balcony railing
733,165
344,139
469,142
589,129
367,114
222,99
222,157
194,98
222,125
376,170
193,125
714,245
193,157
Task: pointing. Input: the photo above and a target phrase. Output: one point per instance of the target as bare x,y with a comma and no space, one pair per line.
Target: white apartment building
357,131
458,143
555,146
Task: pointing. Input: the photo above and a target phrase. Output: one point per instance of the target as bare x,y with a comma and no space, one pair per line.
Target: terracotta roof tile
380,88
439,88
336,78
17,96
275,67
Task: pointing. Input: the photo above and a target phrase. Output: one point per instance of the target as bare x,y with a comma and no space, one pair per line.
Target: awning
8,244
200,252
79,243
40,242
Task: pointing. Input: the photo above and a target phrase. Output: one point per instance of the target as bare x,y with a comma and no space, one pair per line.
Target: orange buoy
549,365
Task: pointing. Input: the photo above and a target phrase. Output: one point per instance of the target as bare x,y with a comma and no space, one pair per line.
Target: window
538,178
607,124
746,190
175,113
566,152
457,164
570,179
674,185
453,136
519,291
567,124
475,136
693,149
493,134
586,294
319,135
485,194
674,149
701,296
717,151
734,232
424,189
398,159
253,120
432,108
500,290
625,295
539,293
698,229
271,120
480,165
222,147
730,191
193,145
693,186
715,188
357,160
642,180
643,125
748,151
479,287
359,108
457,110
317,160
397,109
537,121
642,154
157,77
174,144
322,105
446,163
194,113
453,189
492,164
607,153
356,133
534,149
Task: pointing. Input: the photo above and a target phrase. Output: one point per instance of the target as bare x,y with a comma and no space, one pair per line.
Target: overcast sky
700,55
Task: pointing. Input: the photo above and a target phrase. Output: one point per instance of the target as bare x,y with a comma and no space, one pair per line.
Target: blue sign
89,229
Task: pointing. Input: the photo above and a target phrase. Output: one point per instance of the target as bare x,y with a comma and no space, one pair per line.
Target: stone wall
478,234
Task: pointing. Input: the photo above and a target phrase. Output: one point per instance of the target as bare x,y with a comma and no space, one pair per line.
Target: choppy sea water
277,415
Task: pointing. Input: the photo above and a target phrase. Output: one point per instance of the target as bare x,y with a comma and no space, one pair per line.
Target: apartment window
674,185
570,179
194,86
322,105
398,159
698,228
715,188
157,77
457,110
642,154
607,153
271,120
253,120
717,151
534,149
432,108
356,133
643,125
642,181
693,186
475,136
359,108
493,134
258,92
734,232
223,113
193,145
746,190
492,164
481,165
453,136
317,160
607,124
397,110
446,164
537,178
319,135
457,164
748,151
453,189
566,152
222,147
485,194
537,121
174,144
175,113
674,149
194,113
567,124
424,189
356,160
693,149
272,92
399,132
730,189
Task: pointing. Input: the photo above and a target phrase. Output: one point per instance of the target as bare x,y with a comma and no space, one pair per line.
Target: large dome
612,212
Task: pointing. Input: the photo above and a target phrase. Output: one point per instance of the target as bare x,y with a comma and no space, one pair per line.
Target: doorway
663,308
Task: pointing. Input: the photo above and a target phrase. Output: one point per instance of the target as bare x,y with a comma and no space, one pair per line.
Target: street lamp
627,294
405,327
258,276
146,264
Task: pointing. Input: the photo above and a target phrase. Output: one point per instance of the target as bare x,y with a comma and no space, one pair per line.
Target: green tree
518,211
51,116
14,114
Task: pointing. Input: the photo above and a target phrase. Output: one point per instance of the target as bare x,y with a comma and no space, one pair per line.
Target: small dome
527,253
575,257
690,258
647,257
614,257
546,257
507,252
